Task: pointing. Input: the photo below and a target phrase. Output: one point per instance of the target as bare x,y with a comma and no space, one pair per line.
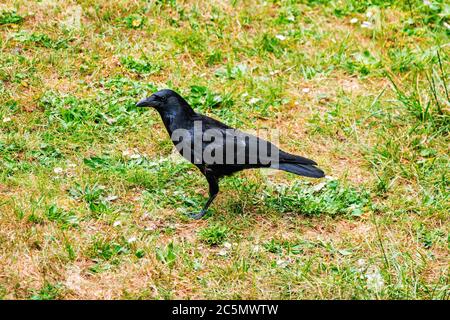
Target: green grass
213,235
94,201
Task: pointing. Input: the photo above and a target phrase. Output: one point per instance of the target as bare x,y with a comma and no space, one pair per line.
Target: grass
93,200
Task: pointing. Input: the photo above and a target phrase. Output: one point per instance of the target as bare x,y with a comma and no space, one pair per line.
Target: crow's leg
213,191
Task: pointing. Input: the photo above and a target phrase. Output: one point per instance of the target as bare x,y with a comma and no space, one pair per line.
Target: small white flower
253,100
131,239
7,119
111,198
361,262
306,90
71,165
117,223
427,2
146,215
110,120
374,279
280,37
282,263
227,245
151,227
319,186
222,252
256,248
369,14
367,24
58,170
132,154
354,20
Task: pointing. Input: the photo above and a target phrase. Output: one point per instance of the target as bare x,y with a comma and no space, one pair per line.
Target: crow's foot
197,216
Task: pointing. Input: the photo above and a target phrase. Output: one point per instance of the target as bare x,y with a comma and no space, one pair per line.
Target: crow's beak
146,102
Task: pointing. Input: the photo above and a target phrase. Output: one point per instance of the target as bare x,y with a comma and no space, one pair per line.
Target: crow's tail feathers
302,170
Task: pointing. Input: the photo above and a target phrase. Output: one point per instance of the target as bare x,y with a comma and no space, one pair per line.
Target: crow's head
163,100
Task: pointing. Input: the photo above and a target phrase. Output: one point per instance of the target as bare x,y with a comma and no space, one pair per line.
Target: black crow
217,149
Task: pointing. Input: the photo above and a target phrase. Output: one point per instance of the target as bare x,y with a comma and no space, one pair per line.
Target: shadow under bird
217,149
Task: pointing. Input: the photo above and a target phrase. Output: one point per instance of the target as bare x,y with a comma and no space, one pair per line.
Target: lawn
93,198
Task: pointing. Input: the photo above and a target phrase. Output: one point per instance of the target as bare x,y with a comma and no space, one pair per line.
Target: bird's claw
197,216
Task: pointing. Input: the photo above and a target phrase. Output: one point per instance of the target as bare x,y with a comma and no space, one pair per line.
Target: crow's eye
163,99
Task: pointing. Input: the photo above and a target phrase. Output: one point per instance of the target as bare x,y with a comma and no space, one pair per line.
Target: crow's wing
267,151
225,145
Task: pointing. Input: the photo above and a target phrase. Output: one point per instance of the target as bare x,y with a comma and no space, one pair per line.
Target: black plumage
183,123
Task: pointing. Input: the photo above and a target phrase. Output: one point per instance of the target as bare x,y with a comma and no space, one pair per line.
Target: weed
10,17
92,195
66,219
167,255
214,234
41,39
330,198
140,66
48,292
134,21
